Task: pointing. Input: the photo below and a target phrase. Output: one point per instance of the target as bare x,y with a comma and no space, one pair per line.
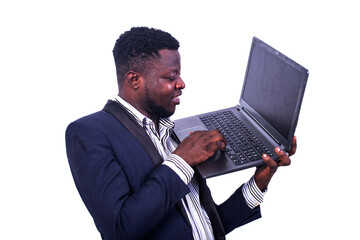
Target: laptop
265,117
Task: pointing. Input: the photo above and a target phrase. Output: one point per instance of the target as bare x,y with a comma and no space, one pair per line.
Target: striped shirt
200,222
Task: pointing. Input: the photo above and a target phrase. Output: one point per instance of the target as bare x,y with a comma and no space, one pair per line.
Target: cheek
161,92
165,91
169,88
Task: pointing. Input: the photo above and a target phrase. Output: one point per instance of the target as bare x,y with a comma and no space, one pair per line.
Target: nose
180,83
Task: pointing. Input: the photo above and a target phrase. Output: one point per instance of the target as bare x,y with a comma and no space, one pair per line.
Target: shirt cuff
252,194
180,167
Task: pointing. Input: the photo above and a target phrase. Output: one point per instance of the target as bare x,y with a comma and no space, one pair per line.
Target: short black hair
135,48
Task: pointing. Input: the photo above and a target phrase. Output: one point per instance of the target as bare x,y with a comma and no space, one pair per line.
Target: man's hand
263,174
200,145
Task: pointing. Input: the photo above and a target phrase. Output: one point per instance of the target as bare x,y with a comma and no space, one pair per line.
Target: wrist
252,194
261,184
180,167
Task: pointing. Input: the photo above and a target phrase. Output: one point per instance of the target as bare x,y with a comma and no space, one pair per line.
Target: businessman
136,181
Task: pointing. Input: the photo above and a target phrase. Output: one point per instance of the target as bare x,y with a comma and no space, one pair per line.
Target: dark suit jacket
128,192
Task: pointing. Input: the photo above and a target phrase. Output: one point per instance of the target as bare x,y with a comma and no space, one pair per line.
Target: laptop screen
273,87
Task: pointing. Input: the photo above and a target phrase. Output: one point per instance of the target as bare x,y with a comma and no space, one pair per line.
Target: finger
293,146
284,158
222,145
197,134
212,147
215,132
269,161
215,135
213,140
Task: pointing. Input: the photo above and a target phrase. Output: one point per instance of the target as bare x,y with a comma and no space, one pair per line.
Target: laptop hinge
262,127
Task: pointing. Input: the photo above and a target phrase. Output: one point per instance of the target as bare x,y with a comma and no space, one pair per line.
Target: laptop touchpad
186,132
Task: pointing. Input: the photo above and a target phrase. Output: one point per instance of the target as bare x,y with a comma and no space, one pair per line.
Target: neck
138,107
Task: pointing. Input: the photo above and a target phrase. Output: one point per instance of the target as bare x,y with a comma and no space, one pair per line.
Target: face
163,85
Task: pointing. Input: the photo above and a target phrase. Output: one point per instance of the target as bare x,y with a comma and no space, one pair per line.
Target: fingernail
278,149
265,156
191,133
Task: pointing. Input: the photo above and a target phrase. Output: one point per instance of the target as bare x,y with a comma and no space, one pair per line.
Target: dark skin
155,94
264,173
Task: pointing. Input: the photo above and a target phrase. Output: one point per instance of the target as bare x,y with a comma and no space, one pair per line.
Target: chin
168,113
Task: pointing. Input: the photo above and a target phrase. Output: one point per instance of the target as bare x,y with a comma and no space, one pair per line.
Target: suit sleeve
119,213
235,212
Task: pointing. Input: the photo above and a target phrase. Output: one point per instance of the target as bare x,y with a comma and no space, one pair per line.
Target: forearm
144,209
124,214
180,167
235,211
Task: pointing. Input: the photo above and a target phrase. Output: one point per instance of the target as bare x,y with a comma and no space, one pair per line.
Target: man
136,182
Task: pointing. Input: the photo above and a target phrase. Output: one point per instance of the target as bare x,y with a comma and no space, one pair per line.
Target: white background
56,65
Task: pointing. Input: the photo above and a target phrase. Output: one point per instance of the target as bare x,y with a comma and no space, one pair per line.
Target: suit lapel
130,123
210,208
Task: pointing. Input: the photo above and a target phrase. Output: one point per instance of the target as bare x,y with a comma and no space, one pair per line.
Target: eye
171,78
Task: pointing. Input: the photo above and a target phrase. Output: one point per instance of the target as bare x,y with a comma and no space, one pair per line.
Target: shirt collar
141,118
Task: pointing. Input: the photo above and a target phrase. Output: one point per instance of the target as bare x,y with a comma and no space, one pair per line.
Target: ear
134,79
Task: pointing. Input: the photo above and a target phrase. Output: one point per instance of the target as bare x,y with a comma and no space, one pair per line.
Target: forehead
169,59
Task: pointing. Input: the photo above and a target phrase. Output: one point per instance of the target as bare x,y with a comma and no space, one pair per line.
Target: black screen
272,87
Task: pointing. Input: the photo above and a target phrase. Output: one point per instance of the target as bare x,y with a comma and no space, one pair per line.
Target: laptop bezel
285,143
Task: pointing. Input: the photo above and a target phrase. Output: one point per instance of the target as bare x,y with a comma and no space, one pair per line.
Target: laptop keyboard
242,145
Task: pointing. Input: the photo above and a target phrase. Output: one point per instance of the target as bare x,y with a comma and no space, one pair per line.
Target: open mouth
176,98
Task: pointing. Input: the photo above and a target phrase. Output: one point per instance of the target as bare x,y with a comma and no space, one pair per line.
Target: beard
154,109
